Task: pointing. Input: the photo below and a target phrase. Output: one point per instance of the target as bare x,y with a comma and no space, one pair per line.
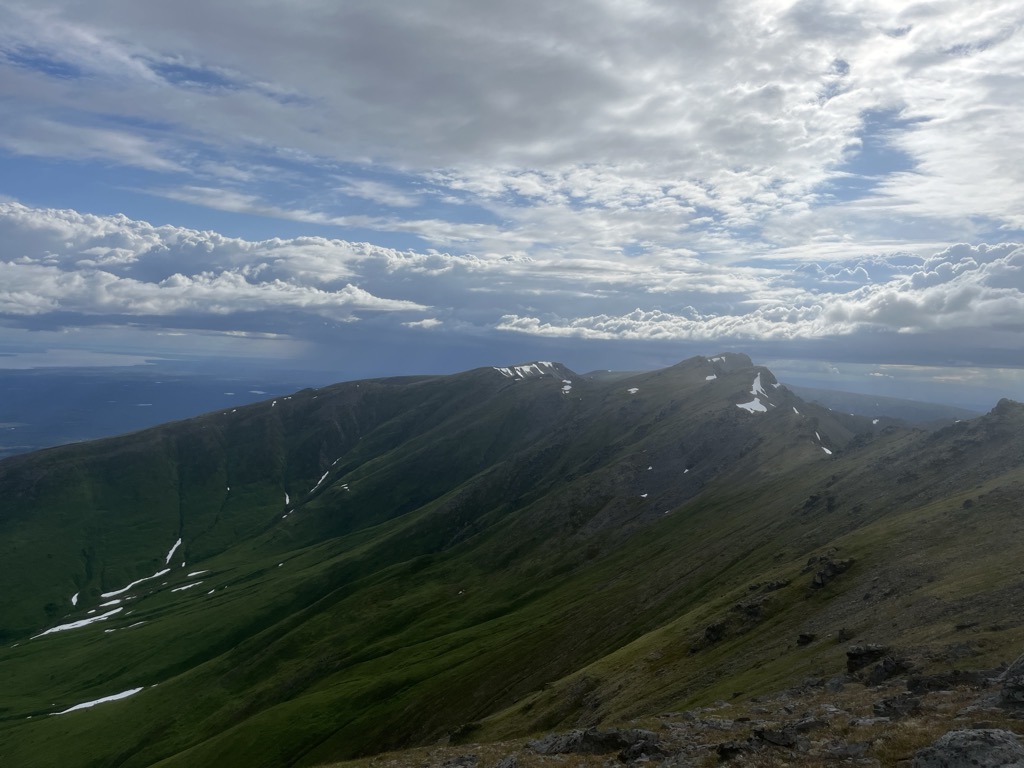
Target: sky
368,188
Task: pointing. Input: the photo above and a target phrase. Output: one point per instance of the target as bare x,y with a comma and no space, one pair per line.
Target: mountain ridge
453,545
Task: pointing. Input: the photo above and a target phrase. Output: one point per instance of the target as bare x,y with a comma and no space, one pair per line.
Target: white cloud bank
62,268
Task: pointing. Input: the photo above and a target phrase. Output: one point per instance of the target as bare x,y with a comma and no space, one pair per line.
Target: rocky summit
519,565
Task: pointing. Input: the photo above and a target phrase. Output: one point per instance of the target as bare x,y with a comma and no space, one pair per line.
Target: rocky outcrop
828,569
982,748
629,742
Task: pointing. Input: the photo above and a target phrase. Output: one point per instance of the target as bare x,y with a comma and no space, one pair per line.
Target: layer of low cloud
65,269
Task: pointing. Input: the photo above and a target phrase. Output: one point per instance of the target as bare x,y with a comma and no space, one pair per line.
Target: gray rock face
987,748
1012,694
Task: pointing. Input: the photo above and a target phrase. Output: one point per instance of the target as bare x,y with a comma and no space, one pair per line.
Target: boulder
947,681
986,748
1012,693
888,667
859,656
779,737
829,570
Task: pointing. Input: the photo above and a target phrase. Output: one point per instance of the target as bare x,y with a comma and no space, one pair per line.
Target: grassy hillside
384,563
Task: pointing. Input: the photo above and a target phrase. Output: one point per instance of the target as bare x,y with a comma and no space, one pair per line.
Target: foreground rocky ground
880,713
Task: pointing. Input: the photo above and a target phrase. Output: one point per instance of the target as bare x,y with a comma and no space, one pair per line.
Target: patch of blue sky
834,87
184,75
38,60
876,158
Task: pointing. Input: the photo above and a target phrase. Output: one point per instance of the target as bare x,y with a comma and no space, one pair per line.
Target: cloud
67,262
59,261
726,129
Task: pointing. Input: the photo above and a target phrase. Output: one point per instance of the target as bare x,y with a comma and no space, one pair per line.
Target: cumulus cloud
65,262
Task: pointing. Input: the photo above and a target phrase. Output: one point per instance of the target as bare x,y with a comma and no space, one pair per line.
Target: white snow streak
712,377
87,704
196,573
79,623
633,390
187,586
74,599
176,545
321,480
117,592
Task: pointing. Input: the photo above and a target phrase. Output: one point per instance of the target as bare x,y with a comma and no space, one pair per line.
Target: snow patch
531,370
826,450
633,390
321,480
796,411
196,573
176,545
187,586
79,623
94,702
74,599
874,421
755,405
712,377
121,591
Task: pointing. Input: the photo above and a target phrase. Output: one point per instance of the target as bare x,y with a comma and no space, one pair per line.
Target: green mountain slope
383,563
